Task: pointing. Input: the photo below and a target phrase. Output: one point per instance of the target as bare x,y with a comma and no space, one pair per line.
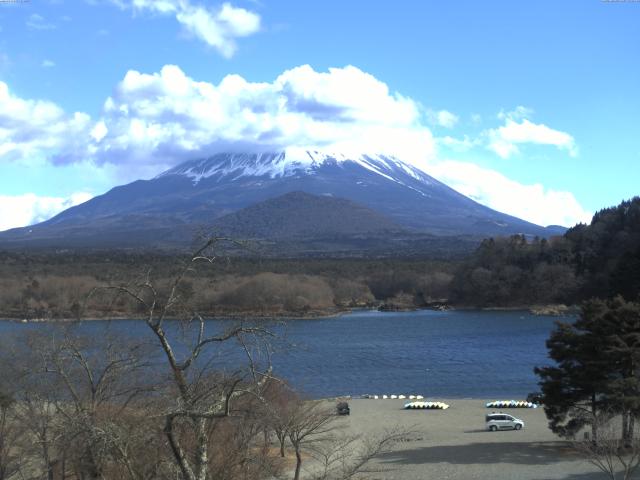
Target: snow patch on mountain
291,162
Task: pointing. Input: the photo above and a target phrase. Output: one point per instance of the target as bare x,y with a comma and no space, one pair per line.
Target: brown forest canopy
55,286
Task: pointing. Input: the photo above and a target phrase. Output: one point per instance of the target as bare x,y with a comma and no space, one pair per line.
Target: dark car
535,397
343,408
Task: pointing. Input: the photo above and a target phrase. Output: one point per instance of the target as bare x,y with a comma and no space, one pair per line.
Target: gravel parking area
453,444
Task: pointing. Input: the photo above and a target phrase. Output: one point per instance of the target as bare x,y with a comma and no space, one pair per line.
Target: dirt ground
453,444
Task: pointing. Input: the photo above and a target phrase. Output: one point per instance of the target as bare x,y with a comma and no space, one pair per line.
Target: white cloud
37,128
99,131
166,117
38,22
518,113
442,118
217,27
518,130
534,202
505,139
463,144
48,64
27,209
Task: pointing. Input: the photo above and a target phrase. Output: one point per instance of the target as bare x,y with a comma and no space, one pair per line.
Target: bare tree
202,393
239,453
91,386
309,424
88,407
11,434
277,409
345,456
38,419
615,456
315,431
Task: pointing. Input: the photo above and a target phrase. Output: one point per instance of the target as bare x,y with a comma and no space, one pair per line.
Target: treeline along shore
56,286
596,260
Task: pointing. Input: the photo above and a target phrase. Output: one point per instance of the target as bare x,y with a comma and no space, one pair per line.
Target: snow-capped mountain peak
291,162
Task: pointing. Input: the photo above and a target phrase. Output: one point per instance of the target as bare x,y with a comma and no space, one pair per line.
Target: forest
597,260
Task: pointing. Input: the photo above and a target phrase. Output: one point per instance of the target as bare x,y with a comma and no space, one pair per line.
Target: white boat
426,406
511,404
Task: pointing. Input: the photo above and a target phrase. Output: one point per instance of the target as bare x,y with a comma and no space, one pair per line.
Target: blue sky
529,107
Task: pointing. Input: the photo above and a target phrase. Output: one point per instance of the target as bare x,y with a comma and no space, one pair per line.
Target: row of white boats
426,406
494,404
511,404
393,397
419,403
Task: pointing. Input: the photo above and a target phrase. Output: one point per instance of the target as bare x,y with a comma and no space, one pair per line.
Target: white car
503,421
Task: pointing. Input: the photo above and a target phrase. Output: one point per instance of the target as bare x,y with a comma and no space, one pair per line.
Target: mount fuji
274,196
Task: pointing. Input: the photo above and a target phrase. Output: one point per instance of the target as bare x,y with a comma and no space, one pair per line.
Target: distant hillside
299,224
302,215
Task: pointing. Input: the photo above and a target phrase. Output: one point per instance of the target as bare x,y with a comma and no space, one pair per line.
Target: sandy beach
453,444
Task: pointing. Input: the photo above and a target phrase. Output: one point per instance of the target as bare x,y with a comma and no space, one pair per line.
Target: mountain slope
167,210
298,215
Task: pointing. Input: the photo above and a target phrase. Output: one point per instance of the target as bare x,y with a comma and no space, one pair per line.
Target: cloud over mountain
27,209
168,117
534,202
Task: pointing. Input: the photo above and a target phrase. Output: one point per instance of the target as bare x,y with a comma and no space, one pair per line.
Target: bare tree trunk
45,452
92,468
594,423
63,466
296,475
178,453
282,438
625,427
202,459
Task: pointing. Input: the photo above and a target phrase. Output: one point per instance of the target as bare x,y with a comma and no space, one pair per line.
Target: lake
437,354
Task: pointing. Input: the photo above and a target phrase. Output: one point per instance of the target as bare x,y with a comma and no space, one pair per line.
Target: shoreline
538,310
206,316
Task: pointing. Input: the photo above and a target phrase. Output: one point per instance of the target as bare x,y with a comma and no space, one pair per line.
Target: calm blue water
437,354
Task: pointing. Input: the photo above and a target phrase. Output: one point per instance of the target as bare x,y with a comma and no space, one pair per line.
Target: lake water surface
436,354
